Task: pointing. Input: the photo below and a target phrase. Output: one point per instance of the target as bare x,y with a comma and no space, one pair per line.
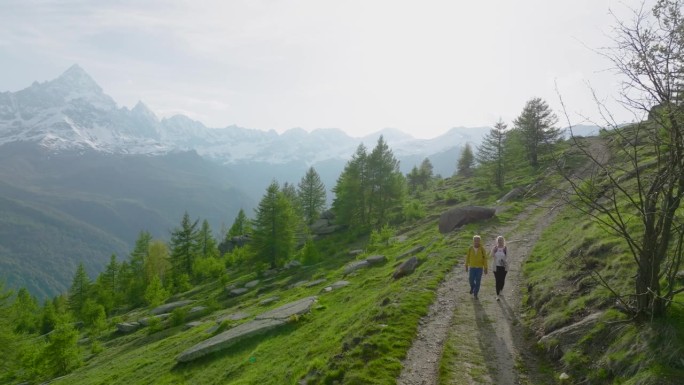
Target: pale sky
419,66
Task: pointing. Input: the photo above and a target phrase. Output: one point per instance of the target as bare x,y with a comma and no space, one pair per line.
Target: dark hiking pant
500,276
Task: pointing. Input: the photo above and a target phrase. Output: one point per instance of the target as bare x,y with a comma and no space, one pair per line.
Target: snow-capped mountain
73,113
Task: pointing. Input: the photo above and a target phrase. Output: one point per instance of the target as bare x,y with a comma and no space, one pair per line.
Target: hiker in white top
500,264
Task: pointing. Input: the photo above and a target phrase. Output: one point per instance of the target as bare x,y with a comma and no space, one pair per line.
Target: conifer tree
62,353
466,161
490,153
137,283
241,226
155,294
413,180
206,242
536,125
274,227
80,287
157,264
311,195
26,312
351,191
386,181
425,172
184,250
107,290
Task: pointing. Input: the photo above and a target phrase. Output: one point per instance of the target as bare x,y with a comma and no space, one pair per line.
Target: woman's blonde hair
476,237
502,240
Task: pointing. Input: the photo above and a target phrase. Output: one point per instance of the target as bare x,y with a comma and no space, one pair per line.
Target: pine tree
107,287
386,181
206,242
26,312
155,294
311,194
184,250
466,161
241,226
157,264
490,153
425,172
80,287
536,125
413,180
273,238
352,191
62,353
137,284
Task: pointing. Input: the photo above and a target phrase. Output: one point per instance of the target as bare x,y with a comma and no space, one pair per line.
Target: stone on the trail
128,327
356,265
406,268
314,283
251,284
269,301
376,260
411,252
166,308
229,338
567,336
146,321
460,216
263,323
286,311
297,284
238,292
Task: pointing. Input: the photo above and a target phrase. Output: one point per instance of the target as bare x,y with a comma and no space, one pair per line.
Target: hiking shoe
476,296
497,297
471,290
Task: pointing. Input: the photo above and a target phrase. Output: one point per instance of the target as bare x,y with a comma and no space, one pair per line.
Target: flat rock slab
170,306
376,260
336,285
251,284
229,338
128,327
191,325
268,301
460,216
146,321
356,265
286,311
237,292
233,317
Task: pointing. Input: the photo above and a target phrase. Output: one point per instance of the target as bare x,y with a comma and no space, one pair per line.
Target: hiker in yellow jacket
475,264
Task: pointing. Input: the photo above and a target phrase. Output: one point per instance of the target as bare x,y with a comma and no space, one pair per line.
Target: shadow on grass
487,338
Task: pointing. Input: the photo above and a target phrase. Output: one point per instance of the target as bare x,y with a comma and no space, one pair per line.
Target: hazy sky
419,66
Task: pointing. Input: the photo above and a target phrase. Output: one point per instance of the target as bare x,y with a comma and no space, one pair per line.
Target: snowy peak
77,79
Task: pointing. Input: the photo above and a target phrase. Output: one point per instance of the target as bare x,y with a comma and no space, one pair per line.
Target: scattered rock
128,327
292,263
328,214
297,284
233,317
269,300
406,268
237,292
336,285
269,273
411,252
251,284
376,260
315,283
354,253
356,265
170,306
191,325
460,216
146,321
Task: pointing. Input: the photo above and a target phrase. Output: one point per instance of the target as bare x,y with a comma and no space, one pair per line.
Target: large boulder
406,268
460,216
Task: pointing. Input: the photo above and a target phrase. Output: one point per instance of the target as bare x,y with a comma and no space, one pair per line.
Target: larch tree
466,161
184,250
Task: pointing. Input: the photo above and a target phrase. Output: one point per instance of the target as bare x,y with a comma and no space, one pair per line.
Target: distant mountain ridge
73,113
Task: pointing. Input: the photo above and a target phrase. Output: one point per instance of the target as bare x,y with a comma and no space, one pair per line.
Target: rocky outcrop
261,324
406,268
147,320
459,216
324,224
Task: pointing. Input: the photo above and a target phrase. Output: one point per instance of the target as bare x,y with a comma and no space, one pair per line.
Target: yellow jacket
478,259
